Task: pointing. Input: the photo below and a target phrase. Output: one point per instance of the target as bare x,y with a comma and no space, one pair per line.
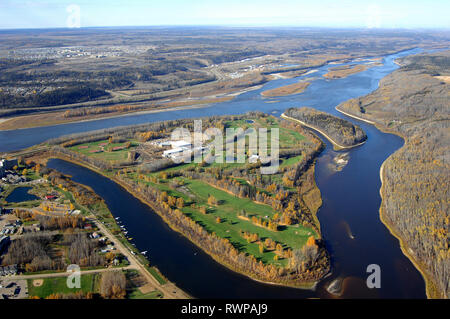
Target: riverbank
307,285
431,290
354,116
336,145
168,288
42,119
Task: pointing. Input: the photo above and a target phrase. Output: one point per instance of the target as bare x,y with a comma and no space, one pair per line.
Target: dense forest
413,102
341,131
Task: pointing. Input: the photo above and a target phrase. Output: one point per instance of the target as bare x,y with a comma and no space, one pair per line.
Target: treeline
83,111
32,253
48,223
289,204
59,96
221,248
233,56
38,82
416,177
6,63
113,285
84,251
341,131
135,131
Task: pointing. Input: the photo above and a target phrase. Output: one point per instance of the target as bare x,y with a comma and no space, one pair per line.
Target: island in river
344,71
342,133
290,89
413,102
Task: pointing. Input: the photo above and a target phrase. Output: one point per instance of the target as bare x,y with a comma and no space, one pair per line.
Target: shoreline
305,285
430,289
354,116
141,112
336,145
159,110
297,88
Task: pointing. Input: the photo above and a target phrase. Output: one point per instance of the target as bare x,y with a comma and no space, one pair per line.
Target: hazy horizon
414,14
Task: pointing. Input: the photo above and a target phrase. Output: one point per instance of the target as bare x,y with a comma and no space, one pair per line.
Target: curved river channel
349,216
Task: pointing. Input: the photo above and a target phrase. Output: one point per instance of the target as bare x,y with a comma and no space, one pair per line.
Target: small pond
21,194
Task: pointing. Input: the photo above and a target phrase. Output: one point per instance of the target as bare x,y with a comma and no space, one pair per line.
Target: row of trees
220,248
341,131
31,251
84,251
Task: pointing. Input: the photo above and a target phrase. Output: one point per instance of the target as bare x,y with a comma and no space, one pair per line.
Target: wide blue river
349,216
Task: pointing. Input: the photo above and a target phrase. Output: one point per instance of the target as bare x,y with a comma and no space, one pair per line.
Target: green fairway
136,294
291,161
104,150
231,225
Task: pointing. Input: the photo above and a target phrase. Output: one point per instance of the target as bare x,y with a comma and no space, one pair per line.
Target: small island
340,72
343,134
290,89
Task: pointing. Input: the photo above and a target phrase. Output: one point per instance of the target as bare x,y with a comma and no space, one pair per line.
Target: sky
313,13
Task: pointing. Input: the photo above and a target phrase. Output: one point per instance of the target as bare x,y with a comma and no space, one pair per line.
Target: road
169,290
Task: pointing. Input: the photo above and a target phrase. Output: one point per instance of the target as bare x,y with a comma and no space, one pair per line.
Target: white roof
174,150
176,144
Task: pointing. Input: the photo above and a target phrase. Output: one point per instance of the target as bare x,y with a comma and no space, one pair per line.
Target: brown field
444,78
295,88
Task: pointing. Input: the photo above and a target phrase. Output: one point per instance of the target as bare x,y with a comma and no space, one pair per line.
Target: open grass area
231,225
58,285
291,161
288,138
136,294
104,150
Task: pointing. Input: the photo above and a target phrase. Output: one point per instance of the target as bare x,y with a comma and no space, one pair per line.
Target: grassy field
231,225
89,149
89,283
291,161
136,294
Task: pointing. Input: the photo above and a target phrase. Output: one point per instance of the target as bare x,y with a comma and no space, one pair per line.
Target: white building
173,152
180,144
179,148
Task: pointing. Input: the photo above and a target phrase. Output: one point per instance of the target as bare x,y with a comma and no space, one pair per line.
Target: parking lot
13,289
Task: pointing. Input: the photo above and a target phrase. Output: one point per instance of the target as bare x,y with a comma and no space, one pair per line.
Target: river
349,216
